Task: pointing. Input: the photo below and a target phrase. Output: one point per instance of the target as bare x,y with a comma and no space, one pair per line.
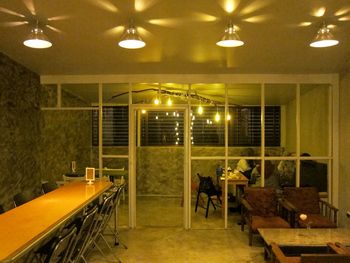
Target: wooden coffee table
302,237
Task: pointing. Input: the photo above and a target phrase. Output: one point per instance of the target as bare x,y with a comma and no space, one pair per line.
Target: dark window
115,124
245,126
162,128
166,128
205,130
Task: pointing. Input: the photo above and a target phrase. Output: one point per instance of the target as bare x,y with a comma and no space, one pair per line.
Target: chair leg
250,236
211,201
197,201
206,213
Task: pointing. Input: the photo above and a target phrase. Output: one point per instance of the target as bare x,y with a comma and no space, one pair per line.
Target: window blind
115,125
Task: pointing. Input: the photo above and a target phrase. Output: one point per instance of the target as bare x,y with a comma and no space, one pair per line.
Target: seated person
271,175
313,173
246,166
286,171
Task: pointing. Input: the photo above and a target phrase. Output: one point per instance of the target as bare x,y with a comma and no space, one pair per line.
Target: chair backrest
206,185
48,187
61,247
308,258
263,200
22,198
2,210
84,231
103,214
305,199
73,177
324,258
339,248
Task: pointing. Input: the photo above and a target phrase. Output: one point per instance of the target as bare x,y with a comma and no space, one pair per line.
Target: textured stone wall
66,137
20,133
160,169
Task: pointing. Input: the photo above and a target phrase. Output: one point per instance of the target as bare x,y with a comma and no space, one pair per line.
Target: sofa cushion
268,222
262,200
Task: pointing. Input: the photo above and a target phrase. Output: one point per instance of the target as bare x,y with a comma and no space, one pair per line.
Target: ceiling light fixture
230,38
37,38
324,38
131,39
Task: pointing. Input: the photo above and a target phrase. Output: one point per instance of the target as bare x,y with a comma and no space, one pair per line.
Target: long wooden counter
23,227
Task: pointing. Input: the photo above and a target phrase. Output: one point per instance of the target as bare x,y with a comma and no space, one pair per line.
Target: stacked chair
106,210
306,200
81,235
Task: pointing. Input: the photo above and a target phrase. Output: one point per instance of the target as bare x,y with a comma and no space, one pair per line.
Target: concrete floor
159,236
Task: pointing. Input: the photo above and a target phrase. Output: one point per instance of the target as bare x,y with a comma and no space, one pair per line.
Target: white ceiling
180,36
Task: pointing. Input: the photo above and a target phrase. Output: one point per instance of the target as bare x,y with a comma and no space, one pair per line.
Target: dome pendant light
131,39
230,38
37,38
324,38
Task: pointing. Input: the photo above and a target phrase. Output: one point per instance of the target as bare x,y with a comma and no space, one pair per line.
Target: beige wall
313,122
344,147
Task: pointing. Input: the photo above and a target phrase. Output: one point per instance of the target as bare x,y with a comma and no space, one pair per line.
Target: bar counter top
25,226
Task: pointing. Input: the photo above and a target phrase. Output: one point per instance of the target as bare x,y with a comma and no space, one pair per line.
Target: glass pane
215,219
49,96
314,173
66,138
286,170
280,119
271,175
159,178
79,95
117,170
244,127
115,122
115,94
314,119
165,93
207,119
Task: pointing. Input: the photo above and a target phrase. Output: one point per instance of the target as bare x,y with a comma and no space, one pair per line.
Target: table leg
223,199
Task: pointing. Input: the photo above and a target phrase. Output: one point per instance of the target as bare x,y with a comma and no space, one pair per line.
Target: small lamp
37,39
131,39
324,38
230,38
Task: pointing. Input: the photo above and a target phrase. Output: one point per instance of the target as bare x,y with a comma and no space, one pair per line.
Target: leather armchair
260,210
306,200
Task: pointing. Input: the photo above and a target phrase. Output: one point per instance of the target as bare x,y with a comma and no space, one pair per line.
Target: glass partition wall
162,137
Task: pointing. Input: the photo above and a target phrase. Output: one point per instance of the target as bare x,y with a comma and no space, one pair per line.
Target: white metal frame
262,79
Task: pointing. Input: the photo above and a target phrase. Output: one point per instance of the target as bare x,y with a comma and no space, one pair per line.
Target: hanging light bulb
143,111
217,117
228,117
169,102
200,110
156,101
